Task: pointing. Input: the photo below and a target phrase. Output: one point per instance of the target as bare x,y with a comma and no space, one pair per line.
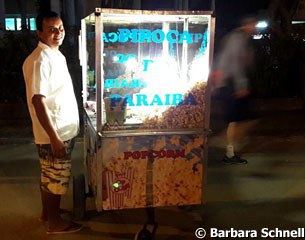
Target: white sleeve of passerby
239,64
41,76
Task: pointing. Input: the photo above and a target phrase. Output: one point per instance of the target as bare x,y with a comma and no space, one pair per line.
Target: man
235,62
54,113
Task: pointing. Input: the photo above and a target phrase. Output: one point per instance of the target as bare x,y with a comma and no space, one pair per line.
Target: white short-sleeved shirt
236,60
46,73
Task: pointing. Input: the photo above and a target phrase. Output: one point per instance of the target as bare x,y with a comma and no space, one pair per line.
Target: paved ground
267,192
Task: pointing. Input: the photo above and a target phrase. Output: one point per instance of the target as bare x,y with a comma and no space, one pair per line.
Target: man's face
53,32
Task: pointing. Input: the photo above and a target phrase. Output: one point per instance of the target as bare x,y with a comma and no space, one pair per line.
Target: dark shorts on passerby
235,109
55,172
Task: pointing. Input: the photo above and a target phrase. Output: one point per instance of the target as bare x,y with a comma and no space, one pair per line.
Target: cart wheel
145,234
79,197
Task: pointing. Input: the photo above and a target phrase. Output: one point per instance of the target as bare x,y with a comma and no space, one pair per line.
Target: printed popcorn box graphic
177,174
145,171
118,187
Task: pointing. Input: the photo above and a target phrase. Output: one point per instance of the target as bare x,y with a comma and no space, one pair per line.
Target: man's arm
57,144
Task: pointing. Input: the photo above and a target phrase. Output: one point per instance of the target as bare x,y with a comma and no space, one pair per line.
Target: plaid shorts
55,172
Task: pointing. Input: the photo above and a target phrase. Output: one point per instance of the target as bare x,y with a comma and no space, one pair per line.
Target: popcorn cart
146,108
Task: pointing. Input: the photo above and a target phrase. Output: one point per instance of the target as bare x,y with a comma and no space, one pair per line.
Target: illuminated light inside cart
115,58
166,85
199,70
131,64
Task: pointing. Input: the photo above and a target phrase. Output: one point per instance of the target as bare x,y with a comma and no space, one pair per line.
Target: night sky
228,12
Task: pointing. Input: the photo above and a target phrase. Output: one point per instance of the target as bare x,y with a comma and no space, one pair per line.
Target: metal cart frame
96,137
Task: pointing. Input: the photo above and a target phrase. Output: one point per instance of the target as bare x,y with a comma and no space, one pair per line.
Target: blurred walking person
235,62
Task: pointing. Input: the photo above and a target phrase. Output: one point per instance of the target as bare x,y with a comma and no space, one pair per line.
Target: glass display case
146,105
146,70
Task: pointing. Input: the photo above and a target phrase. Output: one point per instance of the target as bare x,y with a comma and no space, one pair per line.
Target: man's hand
58,148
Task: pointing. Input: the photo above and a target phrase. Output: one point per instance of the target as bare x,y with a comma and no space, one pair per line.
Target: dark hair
44,15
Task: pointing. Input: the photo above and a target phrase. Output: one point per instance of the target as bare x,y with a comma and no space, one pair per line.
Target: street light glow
262,24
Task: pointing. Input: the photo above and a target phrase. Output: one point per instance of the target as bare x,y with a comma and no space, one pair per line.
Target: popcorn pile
179,181
181,116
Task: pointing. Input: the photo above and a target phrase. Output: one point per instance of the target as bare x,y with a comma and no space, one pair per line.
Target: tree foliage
280,53
14,48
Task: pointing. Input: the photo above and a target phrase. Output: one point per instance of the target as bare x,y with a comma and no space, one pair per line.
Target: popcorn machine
146,106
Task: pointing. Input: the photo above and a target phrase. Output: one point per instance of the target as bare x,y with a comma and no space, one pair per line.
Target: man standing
235,62
54,113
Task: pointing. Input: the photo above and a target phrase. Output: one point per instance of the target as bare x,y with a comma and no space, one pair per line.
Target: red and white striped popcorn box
118,187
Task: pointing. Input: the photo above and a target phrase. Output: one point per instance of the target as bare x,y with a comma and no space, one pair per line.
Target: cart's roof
123,15
154,12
